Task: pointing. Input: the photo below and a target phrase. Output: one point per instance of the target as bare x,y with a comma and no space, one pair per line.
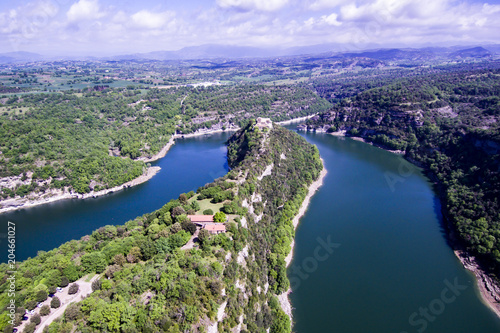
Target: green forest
95,139
446,120
149,283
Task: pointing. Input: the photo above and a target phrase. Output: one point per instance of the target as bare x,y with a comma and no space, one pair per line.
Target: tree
64,282
119,259
72,273
30,305
281,322
44,310
36,319
96,285
189,226
178,211
52,290
203,236
72,311
208,212
176,227
183,198
55,302
220,217
41,296
94,262
136,252
73,289
195,205
30,328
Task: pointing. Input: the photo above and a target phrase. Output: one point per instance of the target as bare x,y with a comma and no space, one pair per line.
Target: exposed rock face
489,287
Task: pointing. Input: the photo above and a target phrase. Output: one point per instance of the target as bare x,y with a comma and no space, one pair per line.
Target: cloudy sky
105,27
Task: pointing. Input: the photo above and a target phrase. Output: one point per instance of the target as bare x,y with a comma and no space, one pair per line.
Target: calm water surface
190,163
388,267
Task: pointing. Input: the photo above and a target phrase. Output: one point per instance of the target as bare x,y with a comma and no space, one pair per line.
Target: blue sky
106,27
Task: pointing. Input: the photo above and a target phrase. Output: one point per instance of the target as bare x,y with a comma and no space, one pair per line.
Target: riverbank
161,153
489,288
360,139
54,195
283,298
57,194
205,132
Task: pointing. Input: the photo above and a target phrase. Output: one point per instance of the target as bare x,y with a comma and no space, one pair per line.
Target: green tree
73,289
41,296
220,217
36,319
44,310
94,262
64,282
203,236
55,302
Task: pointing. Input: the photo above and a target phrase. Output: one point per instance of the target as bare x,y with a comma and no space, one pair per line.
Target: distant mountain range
19,57
213,51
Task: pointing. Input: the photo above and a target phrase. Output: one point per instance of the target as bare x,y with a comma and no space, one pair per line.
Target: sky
111,27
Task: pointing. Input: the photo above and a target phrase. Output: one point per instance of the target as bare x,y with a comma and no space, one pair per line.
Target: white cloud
331,19
41,25
150,20
323,4
84,10
262,5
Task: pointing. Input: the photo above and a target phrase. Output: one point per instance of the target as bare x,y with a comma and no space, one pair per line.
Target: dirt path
66,299
190,244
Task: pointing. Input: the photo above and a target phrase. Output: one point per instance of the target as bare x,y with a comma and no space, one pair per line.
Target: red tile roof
201,218
215,227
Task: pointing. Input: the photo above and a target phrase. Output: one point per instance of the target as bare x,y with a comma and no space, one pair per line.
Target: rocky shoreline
57,194
488,287
283,298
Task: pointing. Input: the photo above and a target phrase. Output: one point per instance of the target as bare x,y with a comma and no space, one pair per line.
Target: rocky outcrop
488,286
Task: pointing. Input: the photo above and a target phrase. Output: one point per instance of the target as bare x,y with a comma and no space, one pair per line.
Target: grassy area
206,204
15,111
286,81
